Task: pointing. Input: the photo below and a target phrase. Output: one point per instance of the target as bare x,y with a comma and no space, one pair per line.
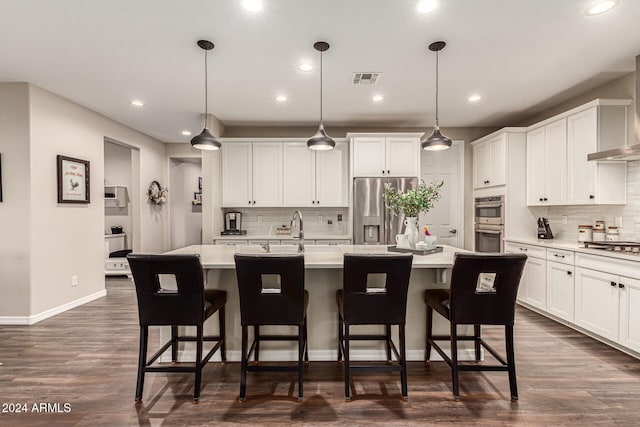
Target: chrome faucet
297,214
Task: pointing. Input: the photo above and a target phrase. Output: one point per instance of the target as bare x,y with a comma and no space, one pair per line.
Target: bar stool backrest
367,306
264,305
162,306
484,288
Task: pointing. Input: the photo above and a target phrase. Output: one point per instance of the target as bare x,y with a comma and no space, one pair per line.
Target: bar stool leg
477,337
388,334
196,391
223,334
174,343
306,342
142,362
454,362
511,361
403,363
243,365
347,372
427,349
256,336
300,358
340,337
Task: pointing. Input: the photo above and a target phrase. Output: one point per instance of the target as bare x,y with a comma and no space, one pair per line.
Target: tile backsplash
264,221
577,215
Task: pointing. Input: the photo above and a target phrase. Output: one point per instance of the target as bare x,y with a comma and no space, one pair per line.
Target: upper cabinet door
236,174
402,156
369,156
498,161
536,158
480,165
556,162
299,174
332,171
267,174
582,140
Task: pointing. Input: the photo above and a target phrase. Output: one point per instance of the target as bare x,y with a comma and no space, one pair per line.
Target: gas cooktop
615,246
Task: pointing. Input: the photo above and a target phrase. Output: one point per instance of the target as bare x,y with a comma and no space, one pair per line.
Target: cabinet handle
254,202
383,172
541,199
545,199
388,172
591,196
249,201
559,256
621,286
313,202
317,202
614,284
569,273
523,249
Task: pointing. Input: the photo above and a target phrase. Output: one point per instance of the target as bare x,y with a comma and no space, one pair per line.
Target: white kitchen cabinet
629,313
315,178
386,155
560,290
590,182
532,288
597,304
489,163
547,164
252,174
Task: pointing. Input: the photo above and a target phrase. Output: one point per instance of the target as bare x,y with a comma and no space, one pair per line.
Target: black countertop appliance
544,229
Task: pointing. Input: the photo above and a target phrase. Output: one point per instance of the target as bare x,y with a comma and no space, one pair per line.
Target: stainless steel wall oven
489,224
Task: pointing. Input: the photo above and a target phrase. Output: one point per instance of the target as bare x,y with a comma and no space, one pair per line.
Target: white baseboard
35,318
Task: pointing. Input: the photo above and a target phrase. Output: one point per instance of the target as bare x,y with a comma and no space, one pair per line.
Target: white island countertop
315,256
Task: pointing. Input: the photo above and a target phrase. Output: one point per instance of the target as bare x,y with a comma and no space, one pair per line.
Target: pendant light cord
320,88
437,126
206,90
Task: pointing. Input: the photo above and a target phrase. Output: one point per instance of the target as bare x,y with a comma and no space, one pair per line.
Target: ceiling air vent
365,78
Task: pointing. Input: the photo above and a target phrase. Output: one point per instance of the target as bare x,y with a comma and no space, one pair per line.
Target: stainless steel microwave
489,210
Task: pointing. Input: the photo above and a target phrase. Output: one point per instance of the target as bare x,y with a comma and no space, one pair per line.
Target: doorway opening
185,202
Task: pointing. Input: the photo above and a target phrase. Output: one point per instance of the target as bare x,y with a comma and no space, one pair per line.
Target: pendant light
436,141
321,141
205,141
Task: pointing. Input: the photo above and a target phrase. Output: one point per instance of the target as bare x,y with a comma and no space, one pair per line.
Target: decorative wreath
157,194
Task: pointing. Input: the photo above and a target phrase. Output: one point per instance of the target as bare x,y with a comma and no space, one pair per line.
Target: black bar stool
271,289
188,305
483,292
359,304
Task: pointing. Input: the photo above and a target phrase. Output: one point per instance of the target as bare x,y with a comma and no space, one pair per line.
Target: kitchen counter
323,276
571,245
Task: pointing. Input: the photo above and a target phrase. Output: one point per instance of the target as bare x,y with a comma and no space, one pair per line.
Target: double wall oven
489,224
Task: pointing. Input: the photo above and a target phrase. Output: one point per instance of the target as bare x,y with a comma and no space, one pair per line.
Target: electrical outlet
565,220
259,218
320,218
74,280
339,217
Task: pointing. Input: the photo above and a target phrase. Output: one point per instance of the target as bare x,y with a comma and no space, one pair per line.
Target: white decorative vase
411,229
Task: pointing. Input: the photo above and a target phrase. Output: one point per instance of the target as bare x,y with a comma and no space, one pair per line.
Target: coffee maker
544,229
233,223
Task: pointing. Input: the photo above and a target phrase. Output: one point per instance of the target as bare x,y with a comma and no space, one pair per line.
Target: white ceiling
518,54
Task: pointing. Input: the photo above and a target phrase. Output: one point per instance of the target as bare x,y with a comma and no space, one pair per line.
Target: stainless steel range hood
628,152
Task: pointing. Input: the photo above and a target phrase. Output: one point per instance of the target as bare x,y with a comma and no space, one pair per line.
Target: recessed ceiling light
377,98
474,98
306,67
281,98
186,133
426,6
601,6
136,103
252,5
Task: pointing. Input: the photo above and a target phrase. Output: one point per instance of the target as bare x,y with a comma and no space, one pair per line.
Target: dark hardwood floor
87,357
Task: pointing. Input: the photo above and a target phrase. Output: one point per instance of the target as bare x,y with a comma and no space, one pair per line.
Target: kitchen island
323,276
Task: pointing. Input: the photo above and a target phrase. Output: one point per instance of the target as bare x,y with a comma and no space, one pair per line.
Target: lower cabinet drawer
117,264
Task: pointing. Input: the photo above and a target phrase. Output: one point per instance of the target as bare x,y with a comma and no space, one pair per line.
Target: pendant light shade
205,140
321,141
436,141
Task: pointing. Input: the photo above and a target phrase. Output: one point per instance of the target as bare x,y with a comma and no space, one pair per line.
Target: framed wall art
73,180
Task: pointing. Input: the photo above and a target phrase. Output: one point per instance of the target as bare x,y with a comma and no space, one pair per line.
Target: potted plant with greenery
411,203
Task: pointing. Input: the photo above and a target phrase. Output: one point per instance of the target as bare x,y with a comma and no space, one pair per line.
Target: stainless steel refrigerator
372,222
